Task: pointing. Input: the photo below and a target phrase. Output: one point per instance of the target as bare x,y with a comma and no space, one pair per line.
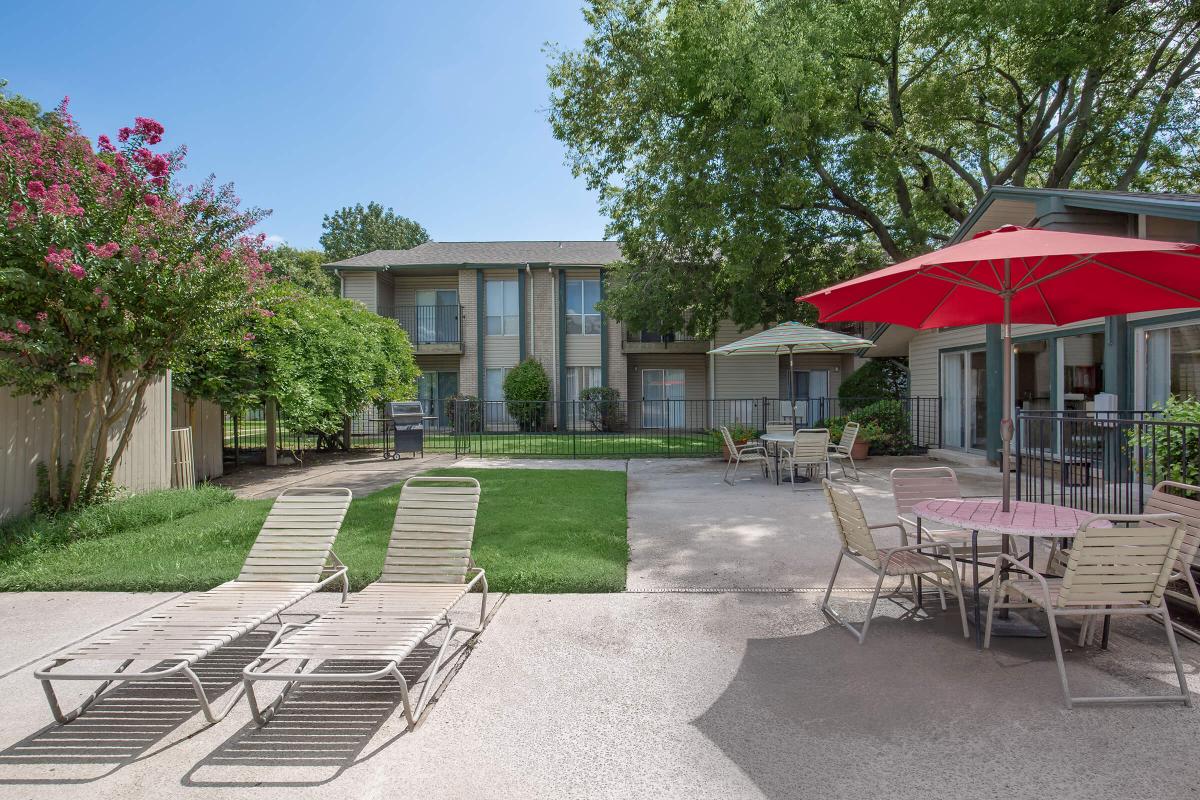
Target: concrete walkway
360,473
726,695
688,530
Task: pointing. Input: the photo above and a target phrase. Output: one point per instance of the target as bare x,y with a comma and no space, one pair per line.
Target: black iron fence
579,429
1106,462
637,428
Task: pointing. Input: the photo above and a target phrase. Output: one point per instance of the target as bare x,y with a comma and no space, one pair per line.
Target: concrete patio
714,676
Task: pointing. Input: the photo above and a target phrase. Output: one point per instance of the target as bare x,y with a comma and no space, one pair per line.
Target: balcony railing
431,324
651,337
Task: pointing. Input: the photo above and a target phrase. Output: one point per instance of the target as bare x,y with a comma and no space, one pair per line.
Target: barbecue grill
408,428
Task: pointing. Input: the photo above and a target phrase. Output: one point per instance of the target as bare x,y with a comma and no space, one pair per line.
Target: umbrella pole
1006,423
791,379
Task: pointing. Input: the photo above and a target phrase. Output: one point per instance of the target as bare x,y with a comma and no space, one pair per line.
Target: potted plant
867,433
740,434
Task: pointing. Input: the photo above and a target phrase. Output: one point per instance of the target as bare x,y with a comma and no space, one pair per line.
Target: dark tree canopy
747,151
355,230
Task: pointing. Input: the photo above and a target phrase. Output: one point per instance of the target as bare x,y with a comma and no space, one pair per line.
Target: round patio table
779,439
1034,520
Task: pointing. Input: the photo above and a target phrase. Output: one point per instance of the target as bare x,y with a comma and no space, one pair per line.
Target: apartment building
1141,358
474,310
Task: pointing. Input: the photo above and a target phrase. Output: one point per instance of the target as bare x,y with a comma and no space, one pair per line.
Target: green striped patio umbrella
792,338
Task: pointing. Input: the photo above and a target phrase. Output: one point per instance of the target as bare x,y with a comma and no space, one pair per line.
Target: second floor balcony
652,342
432,329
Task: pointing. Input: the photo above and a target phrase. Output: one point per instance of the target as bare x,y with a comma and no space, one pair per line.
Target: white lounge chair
1110,571
427,570
842,450
810,448
291,558
750,452
907,561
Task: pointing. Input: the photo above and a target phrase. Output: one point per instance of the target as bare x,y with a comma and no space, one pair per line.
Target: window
1171,364
580,378
582,316
502,306
494,388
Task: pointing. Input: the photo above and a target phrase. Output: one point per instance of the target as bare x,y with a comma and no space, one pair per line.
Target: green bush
886,424
1164,446
867,432
464,412
40,531
600,407
873,381
527,394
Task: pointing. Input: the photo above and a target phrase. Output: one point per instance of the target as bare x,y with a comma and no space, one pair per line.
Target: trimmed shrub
527,394
873,381
600,407
1168,452
888,423
464,412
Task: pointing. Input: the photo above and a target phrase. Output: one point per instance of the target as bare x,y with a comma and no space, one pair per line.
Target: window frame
508,320
584,315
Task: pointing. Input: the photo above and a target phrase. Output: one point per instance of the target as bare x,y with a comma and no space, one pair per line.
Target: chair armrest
751,448
1001,558
897,526
946,546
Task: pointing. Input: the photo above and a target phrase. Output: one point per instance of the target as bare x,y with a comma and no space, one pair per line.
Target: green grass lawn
540,531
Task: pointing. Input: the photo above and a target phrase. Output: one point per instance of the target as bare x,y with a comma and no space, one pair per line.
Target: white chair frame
842,450
858,544
748,452
1106,575
810,448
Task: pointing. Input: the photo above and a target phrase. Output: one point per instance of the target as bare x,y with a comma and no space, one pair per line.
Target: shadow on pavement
320,731
819,715
127,724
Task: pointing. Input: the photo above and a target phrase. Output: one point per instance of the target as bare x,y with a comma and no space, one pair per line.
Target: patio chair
911,485
1182,502
777,426
427,569
809,449
907,561
1110,571
841,450
750,452
291,558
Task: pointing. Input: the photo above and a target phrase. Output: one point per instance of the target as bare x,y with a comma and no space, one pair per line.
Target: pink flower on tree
60,259
105,144
87,361
5,336
42,316
35,189
77,272
22,326
152,200
249,337
104,251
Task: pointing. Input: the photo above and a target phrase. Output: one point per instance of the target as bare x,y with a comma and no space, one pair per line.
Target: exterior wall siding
361,286
695,383
25,443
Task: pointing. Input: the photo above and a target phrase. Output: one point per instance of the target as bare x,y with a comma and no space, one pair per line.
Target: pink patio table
1035,520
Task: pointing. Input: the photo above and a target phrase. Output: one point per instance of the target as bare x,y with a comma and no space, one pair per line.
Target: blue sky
436,109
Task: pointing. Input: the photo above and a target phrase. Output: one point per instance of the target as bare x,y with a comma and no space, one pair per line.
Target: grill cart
408,429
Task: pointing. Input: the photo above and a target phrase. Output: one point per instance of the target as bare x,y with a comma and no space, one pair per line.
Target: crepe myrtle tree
107,267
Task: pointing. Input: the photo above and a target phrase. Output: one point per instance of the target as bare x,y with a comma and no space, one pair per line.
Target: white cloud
274,240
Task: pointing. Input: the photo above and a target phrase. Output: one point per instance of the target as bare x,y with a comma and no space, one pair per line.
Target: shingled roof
502,253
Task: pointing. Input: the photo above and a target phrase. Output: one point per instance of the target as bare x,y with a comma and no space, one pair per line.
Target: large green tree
354,230
301,267
749,150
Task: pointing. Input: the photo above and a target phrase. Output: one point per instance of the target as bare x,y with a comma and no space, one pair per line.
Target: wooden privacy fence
183,462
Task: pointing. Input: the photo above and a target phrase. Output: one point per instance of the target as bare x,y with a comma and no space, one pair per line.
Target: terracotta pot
725,448
861,450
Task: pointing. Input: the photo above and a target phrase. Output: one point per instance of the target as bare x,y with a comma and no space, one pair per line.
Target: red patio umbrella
1020,275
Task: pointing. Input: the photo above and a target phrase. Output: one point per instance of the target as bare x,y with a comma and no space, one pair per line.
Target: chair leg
837,565
1170,629
987,631
728,465
962,604
1058,656
871,608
